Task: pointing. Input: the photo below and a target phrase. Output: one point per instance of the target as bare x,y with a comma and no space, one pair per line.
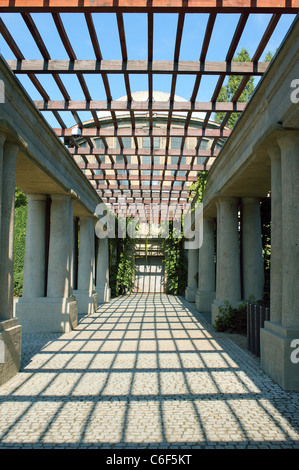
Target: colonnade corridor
145,370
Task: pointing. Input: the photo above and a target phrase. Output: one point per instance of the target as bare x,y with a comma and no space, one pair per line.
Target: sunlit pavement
144,371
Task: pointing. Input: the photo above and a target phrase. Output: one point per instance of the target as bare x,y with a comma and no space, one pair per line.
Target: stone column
228,279
59,249
58,311
10,331
278,335
102,277
35,250
190,292
276,235
206,277
2,140
253,265
289,145
85,294
7,229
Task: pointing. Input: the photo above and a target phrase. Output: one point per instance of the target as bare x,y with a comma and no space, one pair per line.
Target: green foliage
232,320
175,263
269,56
266,243
19,248
122,264
20,198
197,188
228,91
126,268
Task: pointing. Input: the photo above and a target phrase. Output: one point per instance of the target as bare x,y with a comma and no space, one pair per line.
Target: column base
10,349
204,300
104,295
276,353
87,303
218,303
190,294
47,314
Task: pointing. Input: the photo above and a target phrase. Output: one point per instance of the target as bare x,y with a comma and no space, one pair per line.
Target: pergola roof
115,109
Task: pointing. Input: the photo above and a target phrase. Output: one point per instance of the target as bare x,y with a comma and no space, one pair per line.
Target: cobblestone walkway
144,371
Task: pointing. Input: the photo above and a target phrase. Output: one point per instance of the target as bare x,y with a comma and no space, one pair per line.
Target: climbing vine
266,243
19,240
175,263
196,189
122,264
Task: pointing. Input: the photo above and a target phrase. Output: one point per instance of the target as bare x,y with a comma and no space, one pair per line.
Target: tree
20,198
269,57
228,91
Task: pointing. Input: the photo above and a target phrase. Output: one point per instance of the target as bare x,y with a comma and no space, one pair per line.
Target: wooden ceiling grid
166,182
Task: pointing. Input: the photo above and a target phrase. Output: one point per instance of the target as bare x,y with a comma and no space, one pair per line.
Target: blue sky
136,36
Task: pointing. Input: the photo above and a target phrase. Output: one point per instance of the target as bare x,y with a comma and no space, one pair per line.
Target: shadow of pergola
145,370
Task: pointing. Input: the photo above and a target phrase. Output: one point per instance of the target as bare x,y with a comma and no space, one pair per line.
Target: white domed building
152,167
139,176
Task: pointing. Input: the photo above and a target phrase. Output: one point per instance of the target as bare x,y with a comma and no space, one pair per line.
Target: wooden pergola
161,188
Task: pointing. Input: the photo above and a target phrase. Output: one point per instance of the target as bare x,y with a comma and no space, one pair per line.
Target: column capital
12,148
36,197
288,139
209,220
86,217
273,151
2,138
251,200
226,200
57,197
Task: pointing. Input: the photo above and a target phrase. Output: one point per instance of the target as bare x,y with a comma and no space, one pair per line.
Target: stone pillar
85,294
59,249
191,289
2,140
7,229
35,250
253,265
277,336
71,247
102,277
228,279
10,331
58,311
276,235
206,277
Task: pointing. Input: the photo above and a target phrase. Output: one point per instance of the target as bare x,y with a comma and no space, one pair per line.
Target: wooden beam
158,6
156,132
118,166
140,152
137,67
141,106
143,178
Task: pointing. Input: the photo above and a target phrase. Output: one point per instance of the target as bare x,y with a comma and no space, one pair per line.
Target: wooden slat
156,132
137,67
158,6
119,166
156,106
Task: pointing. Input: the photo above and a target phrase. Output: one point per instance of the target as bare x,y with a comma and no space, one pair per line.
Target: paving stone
144,371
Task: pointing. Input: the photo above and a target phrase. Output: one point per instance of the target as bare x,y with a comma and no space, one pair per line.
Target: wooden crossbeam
140,106
119,166
156,132
158,6
137,67
141,151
